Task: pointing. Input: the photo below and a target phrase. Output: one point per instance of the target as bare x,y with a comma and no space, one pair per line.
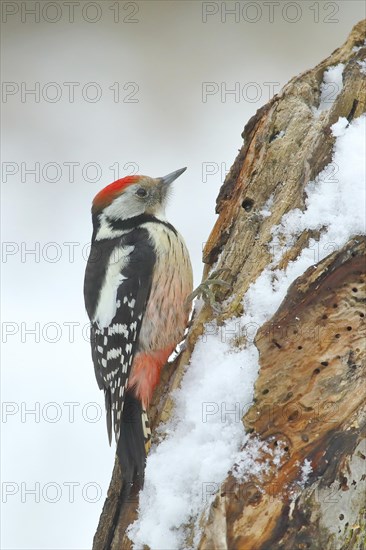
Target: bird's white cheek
125,206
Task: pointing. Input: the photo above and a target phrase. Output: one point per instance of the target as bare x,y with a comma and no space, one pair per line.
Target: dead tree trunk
309,400
309,396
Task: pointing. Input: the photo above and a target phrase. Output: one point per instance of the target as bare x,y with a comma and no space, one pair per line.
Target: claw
207,293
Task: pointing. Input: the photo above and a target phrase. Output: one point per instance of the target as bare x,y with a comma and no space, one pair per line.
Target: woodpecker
137,279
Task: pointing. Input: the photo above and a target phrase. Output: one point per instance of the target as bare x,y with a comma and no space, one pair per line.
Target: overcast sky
93,91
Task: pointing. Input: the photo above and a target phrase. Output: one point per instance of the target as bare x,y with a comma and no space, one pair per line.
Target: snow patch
330,88
249,465
266,211
335,199
339,128
306,470
297,487
362,65
202,439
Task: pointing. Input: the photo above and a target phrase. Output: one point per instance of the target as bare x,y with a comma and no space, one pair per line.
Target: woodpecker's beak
166,180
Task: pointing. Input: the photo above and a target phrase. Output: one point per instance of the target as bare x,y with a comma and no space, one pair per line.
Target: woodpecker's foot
206,293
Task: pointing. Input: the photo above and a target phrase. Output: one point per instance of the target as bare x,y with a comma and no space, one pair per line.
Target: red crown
109,193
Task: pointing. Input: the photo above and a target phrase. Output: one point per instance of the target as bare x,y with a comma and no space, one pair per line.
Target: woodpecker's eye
141,192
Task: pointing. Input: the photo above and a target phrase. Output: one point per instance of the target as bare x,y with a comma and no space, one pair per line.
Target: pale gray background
168,53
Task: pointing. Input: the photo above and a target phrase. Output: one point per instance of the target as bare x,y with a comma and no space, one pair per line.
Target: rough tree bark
309,396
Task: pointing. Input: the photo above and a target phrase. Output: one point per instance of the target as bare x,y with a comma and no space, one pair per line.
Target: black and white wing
122,271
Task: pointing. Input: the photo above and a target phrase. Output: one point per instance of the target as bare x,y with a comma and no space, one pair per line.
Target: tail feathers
108,408
131,443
